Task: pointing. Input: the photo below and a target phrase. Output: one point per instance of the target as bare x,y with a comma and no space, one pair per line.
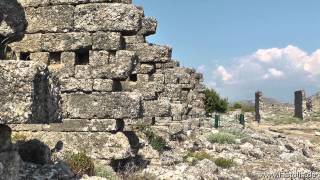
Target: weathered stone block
110,41
159,78
74,85
103,106
40,57
119,69
146,68
107,17
134,39
50,19
163,120
22,92
30,43
83,71
171,78
103,85
98,58
149,26
98,145
159,108
54,42
143,78
67,66
151,53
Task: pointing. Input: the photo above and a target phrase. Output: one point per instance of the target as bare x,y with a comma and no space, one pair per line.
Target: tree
214,103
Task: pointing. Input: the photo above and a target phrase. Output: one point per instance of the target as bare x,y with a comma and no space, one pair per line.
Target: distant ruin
303,106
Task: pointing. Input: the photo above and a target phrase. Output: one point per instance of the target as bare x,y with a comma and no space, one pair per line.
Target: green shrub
214,103
157,142
223,162
222,138
80,163
237,105
199,155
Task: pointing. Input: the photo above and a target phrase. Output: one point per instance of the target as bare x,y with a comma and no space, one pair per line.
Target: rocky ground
258,151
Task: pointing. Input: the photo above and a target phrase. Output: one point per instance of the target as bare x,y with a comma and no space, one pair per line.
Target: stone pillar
299,103
258,105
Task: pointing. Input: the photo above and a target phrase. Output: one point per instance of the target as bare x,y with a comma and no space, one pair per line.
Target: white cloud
223,74
274,73
284,68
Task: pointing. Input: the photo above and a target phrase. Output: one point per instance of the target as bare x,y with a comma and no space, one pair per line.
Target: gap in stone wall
117,86
55,57
133,77
82,57
25,56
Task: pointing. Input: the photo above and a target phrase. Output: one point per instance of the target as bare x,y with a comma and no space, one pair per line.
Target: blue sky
243,46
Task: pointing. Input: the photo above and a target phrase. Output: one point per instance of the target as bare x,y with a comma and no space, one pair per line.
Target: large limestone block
22,91
151,53
74,85
118,69
107,17
110,41
117,105
97,145
29,43
50,19
159,108
54,42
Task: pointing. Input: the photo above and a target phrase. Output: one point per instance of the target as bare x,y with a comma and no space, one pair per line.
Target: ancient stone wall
84,69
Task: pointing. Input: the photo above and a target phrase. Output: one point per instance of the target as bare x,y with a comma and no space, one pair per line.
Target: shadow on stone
34,151
133,141
129,165
13,24
46,98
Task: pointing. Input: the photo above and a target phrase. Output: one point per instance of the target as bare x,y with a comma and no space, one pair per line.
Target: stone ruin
80,71
302,108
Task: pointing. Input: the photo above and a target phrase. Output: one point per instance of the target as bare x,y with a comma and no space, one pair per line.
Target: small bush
222,138
157,142
80,164
237,105
214,103
18,137
223,162
198,156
